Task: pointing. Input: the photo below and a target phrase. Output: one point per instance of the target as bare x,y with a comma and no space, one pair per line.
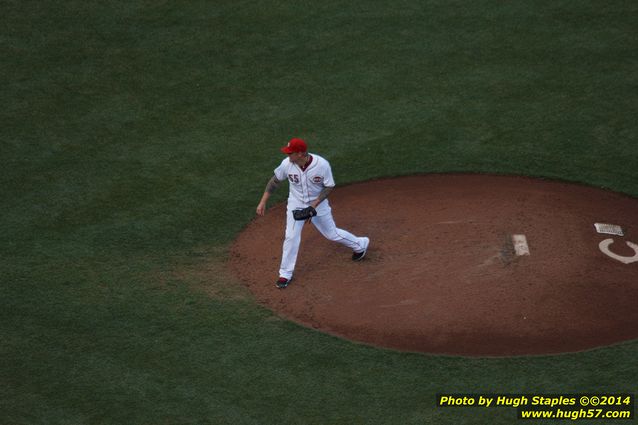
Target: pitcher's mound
443,274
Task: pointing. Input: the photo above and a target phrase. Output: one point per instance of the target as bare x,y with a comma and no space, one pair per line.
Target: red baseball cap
295,145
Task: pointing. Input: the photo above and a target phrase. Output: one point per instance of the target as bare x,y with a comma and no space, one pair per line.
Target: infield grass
137,138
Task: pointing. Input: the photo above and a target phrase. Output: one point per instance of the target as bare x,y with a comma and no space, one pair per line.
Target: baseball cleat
358,256
282,282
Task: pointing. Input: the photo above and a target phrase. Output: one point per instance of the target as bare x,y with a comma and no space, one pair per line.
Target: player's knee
290,239
292,236
332,237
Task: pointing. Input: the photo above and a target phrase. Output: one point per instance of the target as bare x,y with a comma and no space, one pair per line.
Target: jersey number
294,178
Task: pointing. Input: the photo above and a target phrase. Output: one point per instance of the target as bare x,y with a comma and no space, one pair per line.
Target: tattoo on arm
272,185
324,194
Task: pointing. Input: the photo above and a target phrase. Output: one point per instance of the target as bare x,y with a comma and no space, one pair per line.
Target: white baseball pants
326,226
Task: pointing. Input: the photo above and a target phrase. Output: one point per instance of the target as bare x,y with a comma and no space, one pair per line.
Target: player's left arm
322,195
328,185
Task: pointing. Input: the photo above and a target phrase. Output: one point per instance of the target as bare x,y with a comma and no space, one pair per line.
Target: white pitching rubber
520,244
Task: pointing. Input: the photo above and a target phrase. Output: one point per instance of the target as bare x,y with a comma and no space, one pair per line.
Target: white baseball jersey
305,185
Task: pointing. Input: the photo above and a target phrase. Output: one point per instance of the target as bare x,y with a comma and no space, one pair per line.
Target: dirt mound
443,274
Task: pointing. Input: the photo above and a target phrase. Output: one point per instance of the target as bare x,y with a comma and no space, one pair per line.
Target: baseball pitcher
310,182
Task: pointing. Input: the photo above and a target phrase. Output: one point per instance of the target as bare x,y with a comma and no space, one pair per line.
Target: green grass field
137,138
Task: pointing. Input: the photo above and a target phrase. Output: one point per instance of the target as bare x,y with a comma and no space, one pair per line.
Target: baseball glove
304,214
